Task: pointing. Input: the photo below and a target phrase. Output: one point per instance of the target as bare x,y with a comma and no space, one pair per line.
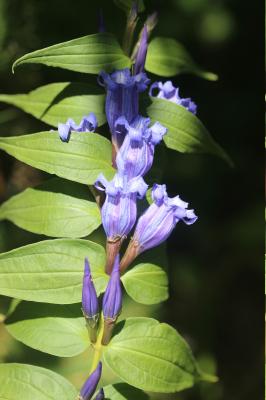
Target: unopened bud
91,383
90,306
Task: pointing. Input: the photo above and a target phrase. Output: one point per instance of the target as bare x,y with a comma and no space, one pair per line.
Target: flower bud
112,302
91,383
168,92
122,98
136,154
87,124
90,306
142,52
157,223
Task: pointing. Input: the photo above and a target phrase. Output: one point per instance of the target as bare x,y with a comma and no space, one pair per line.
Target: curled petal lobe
169,92
87,124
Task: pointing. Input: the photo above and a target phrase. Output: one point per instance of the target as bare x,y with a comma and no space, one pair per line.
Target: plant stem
97,347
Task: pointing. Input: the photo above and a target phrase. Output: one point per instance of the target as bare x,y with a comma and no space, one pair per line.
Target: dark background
215,266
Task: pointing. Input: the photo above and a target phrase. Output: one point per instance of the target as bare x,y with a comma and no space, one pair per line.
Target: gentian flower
157,223
91,383
100,395
119,210
167,91
142,52
87,124
135,156
90,306
112,302
122,97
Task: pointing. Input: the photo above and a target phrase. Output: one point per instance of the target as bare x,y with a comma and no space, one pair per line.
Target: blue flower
91,383
135,156
119,210
90,306
122,97
87,124
169,92
157,223
142,52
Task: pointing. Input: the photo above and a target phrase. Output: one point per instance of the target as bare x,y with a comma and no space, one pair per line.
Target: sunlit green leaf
57,102
167,57
29,382
89,54
186,133
51,214
82,159
55,329
51,271
151,356
146,284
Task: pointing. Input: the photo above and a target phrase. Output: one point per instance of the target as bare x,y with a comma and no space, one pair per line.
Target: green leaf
167,57
29,382
146,284
151,356
52,214
82,159
53,329
89,54
126,5
57,102
186,133
51,271
122,391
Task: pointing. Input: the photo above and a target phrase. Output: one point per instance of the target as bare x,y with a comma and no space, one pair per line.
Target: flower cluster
134,139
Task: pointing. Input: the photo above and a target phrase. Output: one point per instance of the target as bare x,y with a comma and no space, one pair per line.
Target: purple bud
112,299
136,154
119,210
87,124
157,223
90,305
169,92
100,395
122,97
91,383
142,52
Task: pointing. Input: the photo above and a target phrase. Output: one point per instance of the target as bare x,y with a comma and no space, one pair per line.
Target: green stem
97,347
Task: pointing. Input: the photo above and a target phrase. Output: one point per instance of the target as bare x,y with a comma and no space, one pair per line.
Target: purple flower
90,305
91,383
169,92
87,124
142,52
122,97
100,395
135,156
112,299
157,223
119,209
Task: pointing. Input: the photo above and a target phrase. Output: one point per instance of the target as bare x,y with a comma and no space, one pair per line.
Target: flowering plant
68,292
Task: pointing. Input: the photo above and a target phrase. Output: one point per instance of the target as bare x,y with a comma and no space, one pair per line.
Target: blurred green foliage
214,271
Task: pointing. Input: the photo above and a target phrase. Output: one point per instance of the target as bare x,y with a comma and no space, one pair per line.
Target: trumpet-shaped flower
87,124
135,156
157,223
122,97
169,92
119,210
